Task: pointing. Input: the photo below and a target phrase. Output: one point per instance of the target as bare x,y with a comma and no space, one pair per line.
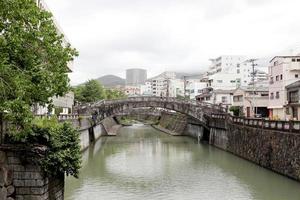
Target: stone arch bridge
108,108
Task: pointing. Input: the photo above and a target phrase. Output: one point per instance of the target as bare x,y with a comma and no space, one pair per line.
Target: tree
33,60
91,91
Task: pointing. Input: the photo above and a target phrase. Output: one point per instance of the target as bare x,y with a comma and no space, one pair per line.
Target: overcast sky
177,35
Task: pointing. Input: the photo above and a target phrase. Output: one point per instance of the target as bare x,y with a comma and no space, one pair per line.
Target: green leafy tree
33,59
33,68
91,91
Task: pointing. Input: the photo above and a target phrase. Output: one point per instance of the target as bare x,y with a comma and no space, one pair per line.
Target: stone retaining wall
275,150
20,179
175,122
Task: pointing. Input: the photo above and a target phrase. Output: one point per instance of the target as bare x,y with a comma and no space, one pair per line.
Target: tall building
136,77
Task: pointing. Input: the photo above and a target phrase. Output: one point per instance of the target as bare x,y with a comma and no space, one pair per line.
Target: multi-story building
146,89
160,83
283,71
252,102
225,64
136,77
194,87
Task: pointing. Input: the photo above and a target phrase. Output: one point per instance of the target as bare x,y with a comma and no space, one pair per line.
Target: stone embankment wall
90,133
275,150
20,179
174,122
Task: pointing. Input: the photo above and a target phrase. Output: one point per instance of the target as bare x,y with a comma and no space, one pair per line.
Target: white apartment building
160,83
225,64
283,71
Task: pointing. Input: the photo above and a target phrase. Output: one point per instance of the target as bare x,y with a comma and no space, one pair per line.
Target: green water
143,163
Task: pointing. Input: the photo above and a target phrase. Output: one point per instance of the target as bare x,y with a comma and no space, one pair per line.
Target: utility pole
184,86
253,83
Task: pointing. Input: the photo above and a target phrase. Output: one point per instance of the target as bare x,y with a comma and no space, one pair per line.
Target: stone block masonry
274,150
21,179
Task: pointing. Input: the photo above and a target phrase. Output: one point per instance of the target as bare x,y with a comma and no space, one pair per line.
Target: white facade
146,90
194,88
283,70
225,64
160,83
176,88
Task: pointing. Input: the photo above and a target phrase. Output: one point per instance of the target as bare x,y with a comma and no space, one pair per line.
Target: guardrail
287,126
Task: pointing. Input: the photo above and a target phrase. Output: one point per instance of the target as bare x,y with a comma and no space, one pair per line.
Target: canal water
143,163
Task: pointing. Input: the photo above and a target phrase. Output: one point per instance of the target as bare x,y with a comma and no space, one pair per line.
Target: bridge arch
196,110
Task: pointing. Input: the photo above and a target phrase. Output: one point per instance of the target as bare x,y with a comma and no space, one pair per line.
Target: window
275,63
220,81
280,76
296,75
224,99
271,80
232,81
277,95
264,94
293,60
298,60
238,65
272,95
238,71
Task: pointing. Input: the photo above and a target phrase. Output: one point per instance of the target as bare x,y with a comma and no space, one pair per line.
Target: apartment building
293,100
160,83
283,71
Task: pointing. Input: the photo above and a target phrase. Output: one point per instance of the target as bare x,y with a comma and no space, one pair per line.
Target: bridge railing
287,126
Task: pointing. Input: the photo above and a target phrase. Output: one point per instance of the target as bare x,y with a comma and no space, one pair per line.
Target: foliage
63,154
236,110
33,59
114,94
33,68
93,91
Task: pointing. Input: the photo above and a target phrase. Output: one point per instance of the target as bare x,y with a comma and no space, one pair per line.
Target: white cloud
112,35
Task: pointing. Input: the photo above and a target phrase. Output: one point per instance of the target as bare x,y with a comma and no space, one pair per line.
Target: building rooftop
298,56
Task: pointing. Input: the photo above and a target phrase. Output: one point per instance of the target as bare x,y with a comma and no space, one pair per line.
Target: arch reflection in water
143,163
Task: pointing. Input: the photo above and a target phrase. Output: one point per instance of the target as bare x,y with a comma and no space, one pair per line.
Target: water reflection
143,163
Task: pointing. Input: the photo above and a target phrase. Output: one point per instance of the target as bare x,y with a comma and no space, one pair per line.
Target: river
143,163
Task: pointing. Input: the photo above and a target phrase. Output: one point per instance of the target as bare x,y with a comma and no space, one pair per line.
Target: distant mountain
111,80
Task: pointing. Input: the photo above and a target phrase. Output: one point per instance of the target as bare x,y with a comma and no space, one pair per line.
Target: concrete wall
275,150
174,122
21,179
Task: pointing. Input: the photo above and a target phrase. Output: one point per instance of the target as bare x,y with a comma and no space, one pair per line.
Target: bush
63,155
